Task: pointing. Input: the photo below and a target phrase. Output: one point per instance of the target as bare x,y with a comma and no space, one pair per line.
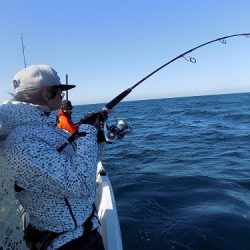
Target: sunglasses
62,95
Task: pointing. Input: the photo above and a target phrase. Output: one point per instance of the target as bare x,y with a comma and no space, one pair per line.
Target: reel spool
117,130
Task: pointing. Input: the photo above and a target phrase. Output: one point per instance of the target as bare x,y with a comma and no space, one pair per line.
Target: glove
95,118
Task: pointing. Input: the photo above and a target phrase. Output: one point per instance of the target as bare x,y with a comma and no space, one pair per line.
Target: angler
56,190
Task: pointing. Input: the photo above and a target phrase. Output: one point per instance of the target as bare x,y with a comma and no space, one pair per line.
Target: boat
107,211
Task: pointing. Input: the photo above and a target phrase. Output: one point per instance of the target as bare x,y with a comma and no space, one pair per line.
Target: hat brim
66,86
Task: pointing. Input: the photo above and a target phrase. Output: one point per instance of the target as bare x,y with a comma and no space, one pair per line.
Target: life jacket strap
88,223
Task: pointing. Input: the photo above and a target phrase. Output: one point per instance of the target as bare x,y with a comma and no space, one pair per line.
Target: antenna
24,60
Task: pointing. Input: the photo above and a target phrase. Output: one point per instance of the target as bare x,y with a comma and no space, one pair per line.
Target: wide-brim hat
38,76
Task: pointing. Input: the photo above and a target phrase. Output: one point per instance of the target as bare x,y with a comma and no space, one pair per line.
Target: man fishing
56,189
64,117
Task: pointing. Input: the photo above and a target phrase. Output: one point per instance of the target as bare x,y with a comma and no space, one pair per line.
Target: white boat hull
107,212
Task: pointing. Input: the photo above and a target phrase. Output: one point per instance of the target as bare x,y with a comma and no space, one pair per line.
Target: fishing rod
24,60
121,127
67,82
122,95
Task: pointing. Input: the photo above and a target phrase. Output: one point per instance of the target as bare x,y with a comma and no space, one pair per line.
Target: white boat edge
107,211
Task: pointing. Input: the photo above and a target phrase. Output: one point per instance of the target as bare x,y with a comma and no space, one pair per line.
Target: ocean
181,178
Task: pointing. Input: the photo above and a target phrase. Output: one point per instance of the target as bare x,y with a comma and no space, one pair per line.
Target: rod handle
118,98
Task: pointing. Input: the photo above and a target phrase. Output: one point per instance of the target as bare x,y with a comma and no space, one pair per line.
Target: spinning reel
117,130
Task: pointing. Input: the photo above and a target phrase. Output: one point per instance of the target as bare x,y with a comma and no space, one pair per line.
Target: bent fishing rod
110,105
122,95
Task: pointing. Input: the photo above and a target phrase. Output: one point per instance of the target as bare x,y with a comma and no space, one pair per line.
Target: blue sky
107,46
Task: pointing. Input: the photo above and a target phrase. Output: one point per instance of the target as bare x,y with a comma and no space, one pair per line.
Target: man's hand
95,118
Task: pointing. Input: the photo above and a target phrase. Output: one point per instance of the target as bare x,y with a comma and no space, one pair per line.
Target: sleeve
41,168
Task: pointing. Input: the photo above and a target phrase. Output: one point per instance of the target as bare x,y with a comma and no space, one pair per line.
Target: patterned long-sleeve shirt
58,188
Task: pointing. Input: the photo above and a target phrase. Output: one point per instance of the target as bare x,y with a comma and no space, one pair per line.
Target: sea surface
181,178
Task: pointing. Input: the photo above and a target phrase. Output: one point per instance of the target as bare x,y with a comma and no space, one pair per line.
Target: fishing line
110,105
